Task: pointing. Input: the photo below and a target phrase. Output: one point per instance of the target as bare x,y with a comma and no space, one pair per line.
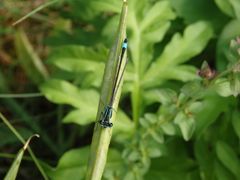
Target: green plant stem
102,136
35,11
24,95
13,156
21,113
20,138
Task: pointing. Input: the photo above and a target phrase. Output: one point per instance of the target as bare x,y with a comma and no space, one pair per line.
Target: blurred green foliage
174,123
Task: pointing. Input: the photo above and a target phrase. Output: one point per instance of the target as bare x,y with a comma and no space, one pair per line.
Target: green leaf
236,7
164,96
224,55
209,112
154,152
93,8
226,7
186,124
168,128
149,29
123,125
192,11
153,25
228,158
195,107
29,60
79,58
235,84
222,173
12,172
179,50
236,122
72,165
205,158
222,87
157,136
192,89
115,164
80,116
63,92
230,7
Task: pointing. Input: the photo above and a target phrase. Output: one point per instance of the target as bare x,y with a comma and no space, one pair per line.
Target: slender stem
20,138
13,156
35,11
102,136
24,95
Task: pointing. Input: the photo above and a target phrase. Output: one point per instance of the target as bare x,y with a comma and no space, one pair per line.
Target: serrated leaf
63,92
179,50
79,58
149,26
228,158
153,26
186,125
192,11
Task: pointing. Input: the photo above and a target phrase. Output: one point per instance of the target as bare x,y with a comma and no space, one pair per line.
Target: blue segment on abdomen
124,45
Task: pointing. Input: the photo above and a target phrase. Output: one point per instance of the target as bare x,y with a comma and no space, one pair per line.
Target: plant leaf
192,11
224,55
186,124
29,60
236,122
12,172
228,158
179,50
226,7
63,92
79,58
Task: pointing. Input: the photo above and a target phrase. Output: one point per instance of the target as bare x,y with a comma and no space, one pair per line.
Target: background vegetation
178,119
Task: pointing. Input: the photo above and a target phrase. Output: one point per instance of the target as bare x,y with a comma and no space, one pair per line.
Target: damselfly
106,114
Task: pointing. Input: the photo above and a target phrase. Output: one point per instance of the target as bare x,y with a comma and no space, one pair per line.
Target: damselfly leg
106,116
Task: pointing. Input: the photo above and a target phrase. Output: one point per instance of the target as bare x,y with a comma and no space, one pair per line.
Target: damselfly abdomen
106,115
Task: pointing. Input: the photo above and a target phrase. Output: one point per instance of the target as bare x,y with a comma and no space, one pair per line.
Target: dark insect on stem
106,115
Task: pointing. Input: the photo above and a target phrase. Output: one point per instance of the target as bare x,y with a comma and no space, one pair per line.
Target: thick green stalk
102,136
